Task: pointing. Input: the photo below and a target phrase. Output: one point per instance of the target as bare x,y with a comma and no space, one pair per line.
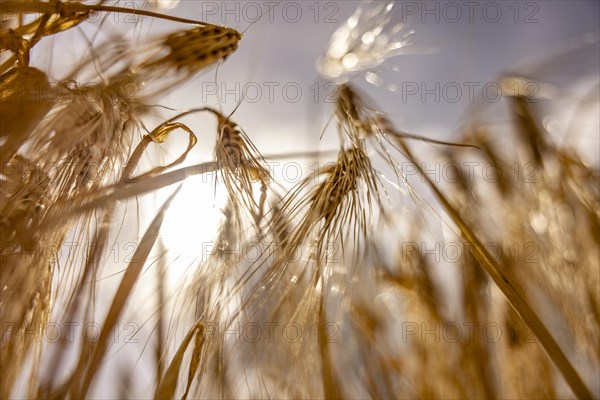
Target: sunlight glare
191,223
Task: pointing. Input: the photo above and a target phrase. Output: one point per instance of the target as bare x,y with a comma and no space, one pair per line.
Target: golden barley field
299,200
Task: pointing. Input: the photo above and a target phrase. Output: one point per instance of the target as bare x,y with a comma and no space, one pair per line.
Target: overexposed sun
191,223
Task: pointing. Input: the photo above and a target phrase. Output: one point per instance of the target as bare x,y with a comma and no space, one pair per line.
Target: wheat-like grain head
194,49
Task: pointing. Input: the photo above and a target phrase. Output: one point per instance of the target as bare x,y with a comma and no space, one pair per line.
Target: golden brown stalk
90,268
208,294
75,152
332,387
360,121
85,134
18,45
87,367
364,122
476,356
549,197
159,135
240,166
526,371
126,190
516,300
56,17
168,384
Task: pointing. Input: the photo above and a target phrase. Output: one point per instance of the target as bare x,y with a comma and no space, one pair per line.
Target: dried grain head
292,288
342,181
338,207
355,118
241,166
83,139
194,49
360,118
22,197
